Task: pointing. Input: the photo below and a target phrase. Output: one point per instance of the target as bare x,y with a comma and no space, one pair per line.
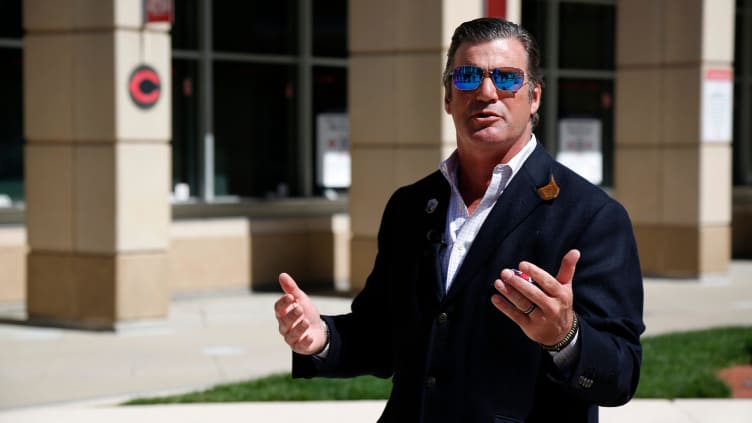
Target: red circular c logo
144,86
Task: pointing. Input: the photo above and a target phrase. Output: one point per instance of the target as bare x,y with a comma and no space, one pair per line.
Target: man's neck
475,169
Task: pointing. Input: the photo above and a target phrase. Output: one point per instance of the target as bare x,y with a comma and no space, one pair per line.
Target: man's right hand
299,320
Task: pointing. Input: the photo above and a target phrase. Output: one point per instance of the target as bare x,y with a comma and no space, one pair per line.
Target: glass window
264,27
330,28
185,146
586,36
255,97
742,143
11,19
11,125
329,97
591,101
255,135
534,19
185,25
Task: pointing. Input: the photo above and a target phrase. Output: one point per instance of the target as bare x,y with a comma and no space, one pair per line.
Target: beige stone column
672,156
97,168
398,129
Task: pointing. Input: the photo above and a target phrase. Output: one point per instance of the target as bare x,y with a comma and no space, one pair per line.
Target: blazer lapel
436,204
519,199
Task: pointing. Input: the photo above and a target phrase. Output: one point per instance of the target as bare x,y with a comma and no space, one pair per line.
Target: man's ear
447,108
536,98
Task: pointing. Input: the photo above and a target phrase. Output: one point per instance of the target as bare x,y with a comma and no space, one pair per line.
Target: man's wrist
567,338
325,350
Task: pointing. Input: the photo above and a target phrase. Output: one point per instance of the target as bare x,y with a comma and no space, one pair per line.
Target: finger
512,294
297,331
521,291
290,287
508,309
549,285
568,265
288,320
283,304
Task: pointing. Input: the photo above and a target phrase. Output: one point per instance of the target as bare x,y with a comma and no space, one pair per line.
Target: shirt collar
449,166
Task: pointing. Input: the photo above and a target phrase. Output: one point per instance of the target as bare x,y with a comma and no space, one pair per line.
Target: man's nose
487,90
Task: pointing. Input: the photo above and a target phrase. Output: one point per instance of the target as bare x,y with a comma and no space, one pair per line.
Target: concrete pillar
398,129
673,149
97,166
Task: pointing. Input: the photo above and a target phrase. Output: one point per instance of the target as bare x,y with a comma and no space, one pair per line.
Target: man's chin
489,136
493,135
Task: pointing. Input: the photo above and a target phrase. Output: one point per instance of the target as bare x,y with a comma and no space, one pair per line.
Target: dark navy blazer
456,358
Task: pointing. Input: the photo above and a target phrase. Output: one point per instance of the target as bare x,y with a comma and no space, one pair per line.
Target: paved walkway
49,374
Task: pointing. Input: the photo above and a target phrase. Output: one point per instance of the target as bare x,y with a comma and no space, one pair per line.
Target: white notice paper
580,147
717,105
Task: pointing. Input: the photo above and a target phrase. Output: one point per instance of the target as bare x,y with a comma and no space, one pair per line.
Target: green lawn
684,365
678,365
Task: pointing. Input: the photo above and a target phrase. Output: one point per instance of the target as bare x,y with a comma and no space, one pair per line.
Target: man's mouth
485,115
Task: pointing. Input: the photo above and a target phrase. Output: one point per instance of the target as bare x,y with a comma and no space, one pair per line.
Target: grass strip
281,387
676,365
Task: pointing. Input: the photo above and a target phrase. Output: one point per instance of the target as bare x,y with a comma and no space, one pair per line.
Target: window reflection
329,100
11,19
184,30
185,145
255,132
586,36
262,27
11,130
589,101
330,28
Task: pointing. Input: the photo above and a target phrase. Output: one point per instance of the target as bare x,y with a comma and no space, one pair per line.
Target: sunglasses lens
467,78
507,80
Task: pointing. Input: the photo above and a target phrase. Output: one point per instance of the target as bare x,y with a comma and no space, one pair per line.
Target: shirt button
443,318
430,382
460,248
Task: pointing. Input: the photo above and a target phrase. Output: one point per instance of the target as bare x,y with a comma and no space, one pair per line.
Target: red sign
144,86
496,9
716,74
158,11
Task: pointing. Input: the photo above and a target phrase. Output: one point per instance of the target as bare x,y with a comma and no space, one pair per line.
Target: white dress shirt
461,227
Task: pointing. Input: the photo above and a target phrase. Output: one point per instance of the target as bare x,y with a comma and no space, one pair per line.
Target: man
465,337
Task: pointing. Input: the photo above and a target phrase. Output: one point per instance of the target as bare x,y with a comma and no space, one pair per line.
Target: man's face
487,118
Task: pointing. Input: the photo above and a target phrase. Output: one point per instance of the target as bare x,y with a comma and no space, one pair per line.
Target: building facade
281,128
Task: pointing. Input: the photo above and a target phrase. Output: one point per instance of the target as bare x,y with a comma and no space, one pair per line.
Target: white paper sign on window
580,147
333,150
717,105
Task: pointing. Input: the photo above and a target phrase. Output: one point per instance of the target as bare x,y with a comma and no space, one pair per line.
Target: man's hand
552,315
299,320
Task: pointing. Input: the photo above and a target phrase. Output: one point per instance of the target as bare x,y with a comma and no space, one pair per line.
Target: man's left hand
545,314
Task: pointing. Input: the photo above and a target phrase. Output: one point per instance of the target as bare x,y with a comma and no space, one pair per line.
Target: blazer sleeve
608,298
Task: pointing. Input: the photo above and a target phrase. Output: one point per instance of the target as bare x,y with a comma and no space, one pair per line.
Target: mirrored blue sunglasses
468,78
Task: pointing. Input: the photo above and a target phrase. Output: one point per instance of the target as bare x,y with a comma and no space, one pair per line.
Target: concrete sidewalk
643,411
50,374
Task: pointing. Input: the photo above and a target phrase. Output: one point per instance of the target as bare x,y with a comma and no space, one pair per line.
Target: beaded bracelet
567,338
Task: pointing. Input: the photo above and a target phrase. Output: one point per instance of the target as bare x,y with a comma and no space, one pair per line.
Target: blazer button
430,382
442,319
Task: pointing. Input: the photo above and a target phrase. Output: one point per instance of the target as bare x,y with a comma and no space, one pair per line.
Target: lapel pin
431,205
549,191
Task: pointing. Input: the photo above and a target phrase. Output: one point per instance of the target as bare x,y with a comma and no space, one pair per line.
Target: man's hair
489,29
